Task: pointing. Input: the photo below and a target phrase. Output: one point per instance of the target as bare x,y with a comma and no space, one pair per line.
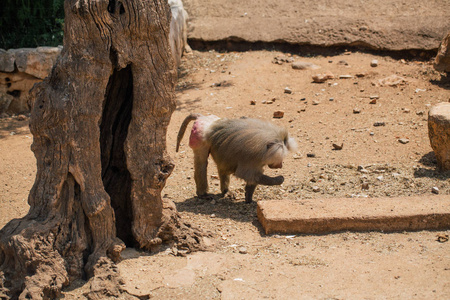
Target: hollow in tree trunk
99,124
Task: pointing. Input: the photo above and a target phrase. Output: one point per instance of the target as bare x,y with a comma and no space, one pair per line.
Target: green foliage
31,23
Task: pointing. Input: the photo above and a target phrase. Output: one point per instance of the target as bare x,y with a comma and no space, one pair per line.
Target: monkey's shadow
218,206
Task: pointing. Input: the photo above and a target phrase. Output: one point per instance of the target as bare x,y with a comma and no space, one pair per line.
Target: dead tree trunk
99,125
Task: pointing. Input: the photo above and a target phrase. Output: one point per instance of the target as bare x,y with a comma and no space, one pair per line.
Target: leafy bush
31,23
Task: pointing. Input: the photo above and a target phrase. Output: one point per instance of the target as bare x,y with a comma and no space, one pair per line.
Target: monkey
242,147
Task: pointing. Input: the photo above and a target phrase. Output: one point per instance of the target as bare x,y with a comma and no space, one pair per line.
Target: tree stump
99,125
439,133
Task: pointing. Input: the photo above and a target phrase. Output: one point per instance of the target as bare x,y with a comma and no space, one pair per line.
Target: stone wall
20,69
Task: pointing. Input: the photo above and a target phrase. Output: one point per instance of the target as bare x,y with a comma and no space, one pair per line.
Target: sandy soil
383,25
244,263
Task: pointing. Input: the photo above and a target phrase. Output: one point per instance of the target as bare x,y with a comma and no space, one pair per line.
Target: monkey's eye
270,145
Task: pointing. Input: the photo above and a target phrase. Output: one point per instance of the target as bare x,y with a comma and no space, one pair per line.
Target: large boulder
439,133
20,69
442,61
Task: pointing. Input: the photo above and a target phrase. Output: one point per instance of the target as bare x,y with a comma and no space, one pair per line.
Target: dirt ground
243,262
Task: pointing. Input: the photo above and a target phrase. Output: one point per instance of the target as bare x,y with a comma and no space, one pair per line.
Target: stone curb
321,216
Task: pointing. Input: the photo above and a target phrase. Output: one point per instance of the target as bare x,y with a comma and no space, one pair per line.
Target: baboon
238,146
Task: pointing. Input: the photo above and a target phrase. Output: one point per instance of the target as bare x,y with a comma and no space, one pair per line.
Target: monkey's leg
249,190
267,180
224,180
200,170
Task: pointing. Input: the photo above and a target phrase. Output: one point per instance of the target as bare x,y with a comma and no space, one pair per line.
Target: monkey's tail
183,127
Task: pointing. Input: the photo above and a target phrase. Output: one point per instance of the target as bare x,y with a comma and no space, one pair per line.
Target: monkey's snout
276,166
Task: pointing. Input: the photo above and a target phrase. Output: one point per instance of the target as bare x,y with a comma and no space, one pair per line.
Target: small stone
435,190
374,97
365,186
320,78
404,141
377,124
213,215
338,147
253,102
21,118
242,250
315,102
356,110
342,62
302,99
316,189
287,90
310,155
331,99
374,63
373,101
380,178
361,74
345,76
278,114
301,65
372,133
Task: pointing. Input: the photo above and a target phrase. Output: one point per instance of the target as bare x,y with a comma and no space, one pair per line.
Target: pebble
320,78
301,65
404,141
380,178
338,147
21,118
365,186
316,189
356,110
342,62
253,102
310,155
315,102
345,76
373,101
287,90
278,114
435,190
374,63
242,250
376,124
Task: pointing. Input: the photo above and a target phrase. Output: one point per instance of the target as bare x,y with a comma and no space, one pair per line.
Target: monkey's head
278,149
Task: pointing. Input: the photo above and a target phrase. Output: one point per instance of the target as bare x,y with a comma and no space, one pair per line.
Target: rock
365,186
282,59
315,102
310,155
403,141
343,63
320,78
316,189
242,250
442,60
435,190
345,76
20,69
253,102
393,80
377,124
356,110
338,147
374,63
373,101
287,90
278,114
439,133
301,65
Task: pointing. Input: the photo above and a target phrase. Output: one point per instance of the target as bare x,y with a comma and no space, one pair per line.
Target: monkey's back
243,141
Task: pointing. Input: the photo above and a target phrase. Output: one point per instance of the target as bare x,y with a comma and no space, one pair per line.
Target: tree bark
99,124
